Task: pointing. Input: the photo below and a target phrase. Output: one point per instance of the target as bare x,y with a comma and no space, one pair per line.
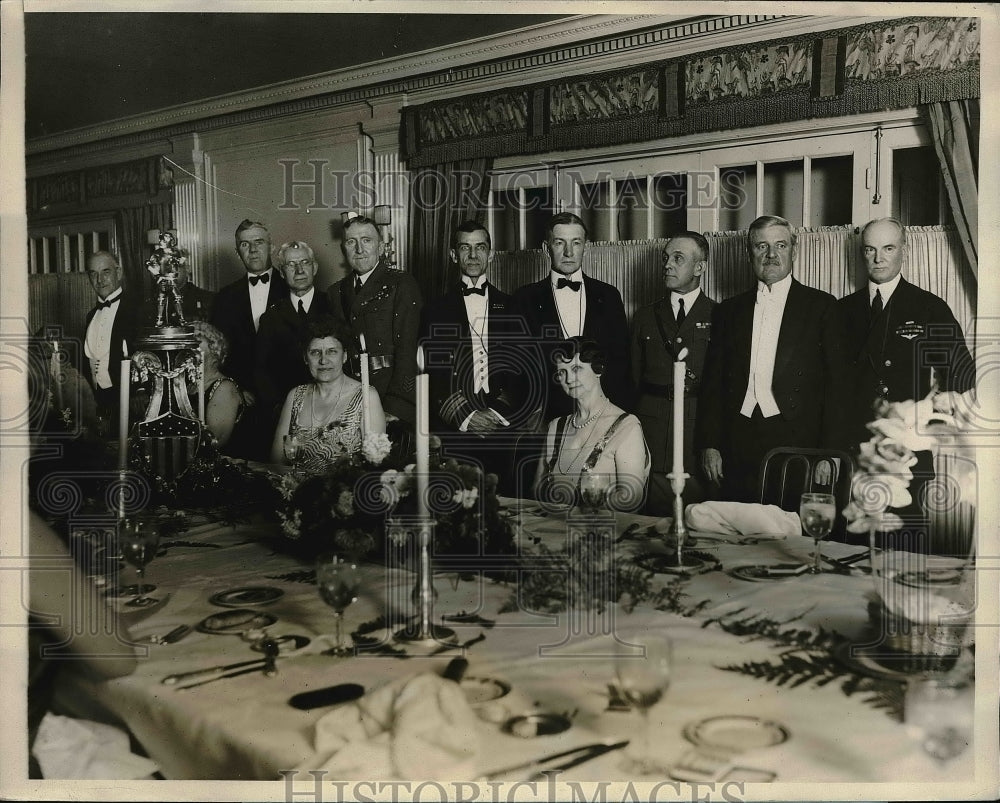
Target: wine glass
816,512
338,582
292,446
594,491
643,678
138,541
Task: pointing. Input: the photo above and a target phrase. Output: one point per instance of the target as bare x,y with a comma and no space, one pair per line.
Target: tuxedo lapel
793,322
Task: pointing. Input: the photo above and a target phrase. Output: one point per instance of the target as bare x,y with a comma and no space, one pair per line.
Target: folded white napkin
416,728
741,518
81,749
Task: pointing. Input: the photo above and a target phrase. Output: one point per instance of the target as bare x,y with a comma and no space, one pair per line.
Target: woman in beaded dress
599,445
323,420
225,400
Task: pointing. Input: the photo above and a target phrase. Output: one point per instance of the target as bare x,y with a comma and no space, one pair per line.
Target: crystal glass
938,713
339,582
138,541
816,512
594,491
292,447
643,679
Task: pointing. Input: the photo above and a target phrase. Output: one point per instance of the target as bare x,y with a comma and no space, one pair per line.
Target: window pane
505,220
633,201
737,197
538,210
916,186
669,204
830,188
594,204
783,191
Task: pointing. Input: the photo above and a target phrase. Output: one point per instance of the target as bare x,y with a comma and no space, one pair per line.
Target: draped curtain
441,197
828,259
132,225
954,126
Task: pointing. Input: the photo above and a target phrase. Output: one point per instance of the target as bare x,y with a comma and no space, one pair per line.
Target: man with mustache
775,369
681,320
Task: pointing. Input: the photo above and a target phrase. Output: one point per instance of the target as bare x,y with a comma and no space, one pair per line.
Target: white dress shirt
97,345
258,295
885,290
306,298
571,305
476,310
689,299
767,313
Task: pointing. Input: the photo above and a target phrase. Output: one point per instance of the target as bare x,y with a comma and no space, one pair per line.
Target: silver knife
576,755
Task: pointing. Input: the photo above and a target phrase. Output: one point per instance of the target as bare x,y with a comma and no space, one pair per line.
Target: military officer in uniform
680,321
384,306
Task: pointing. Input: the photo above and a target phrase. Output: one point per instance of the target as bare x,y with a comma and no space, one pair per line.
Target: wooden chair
788,472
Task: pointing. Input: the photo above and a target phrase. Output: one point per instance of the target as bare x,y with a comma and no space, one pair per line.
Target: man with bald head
896,331
110,327
775,368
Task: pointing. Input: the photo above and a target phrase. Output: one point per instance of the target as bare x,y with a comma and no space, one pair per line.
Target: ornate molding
540,47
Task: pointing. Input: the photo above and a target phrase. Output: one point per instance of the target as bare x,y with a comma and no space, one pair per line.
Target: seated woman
324,418
225,400
597,445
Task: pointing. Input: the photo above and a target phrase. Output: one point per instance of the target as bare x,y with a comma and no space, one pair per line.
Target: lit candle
56,377
123,392
366,416
679,370
423,434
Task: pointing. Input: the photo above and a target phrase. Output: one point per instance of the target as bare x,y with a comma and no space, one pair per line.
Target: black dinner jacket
446,337
279,362
128,319
232,316
604,322
809,369
917,328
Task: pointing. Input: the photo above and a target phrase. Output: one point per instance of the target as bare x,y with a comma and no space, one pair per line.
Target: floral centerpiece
351,506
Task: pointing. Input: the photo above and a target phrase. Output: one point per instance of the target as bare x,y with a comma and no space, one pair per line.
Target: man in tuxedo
239,305
894,328
236,313
384,306
472,341
568,303
280,364
110,328
775,368
661,331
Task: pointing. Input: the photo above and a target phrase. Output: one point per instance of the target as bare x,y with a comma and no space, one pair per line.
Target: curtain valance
887,64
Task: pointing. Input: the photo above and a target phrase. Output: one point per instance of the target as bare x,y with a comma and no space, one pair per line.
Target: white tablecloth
243,728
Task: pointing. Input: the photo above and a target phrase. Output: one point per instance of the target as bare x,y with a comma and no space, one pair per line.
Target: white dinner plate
484,690
247,595
735,733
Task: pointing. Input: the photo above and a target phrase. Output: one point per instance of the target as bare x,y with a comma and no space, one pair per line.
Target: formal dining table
826,720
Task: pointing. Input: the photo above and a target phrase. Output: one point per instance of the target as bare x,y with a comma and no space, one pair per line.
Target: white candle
679,370
201,388
55,373
423,434
123,392
366,416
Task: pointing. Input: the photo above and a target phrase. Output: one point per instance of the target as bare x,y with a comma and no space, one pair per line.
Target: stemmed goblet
643,679
292,446
816,512
594,490
338,581
138,541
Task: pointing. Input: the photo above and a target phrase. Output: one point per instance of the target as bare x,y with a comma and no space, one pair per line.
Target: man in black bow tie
110,327
237,311
472,340
568,303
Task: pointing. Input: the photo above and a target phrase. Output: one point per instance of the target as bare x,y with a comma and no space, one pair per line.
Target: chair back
788,472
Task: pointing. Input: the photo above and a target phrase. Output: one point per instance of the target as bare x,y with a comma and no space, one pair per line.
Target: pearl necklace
590,420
